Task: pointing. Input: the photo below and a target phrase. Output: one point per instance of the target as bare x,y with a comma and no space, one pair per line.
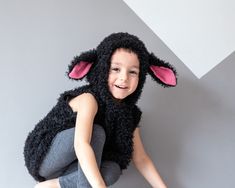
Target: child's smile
121,87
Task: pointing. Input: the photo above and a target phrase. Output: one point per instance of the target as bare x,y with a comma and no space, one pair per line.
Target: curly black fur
119,119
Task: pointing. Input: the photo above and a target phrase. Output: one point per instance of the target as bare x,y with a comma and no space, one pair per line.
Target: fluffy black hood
95,64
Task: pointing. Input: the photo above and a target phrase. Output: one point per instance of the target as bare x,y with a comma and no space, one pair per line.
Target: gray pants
61,161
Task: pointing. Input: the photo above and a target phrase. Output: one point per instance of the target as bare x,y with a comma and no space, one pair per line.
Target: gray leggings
61,161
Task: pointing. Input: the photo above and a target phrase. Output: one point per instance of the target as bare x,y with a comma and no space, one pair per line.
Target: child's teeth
120,87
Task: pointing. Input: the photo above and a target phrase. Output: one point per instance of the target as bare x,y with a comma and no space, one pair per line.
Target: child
92,133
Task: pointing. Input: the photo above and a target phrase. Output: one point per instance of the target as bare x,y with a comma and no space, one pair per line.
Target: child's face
124,73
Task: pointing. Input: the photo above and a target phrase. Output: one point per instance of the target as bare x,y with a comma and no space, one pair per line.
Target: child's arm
144,164
86,107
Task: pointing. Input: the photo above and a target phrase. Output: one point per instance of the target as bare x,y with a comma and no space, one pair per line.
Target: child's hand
101,186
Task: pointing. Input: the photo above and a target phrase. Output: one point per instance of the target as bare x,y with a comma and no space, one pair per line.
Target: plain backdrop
188,131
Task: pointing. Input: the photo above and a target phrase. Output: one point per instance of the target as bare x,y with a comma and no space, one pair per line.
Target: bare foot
53,183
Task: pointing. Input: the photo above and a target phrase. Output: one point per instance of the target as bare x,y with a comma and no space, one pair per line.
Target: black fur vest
118,119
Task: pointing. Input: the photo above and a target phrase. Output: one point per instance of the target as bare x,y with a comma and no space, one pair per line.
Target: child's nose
123,76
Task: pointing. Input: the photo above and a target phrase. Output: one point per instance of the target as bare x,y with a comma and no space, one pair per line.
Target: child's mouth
120,87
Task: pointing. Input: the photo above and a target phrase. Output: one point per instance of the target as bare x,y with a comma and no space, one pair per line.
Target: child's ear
82,64
162,72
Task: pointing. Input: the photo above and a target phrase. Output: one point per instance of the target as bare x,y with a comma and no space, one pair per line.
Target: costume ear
81,65
162,72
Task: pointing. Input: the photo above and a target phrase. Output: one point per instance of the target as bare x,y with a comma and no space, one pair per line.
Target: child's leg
109,170
77,178
60,155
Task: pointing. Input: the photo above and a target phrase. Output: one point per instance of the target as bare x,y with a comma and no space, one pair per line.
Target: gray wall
188,130
200,33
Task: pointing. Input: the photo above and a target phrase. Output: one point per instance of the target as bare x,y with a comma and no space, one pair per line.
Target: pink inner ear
166,75
80,70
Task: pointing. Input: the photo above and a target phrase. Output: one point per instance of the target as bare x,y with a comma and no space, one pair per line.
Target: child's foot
53,183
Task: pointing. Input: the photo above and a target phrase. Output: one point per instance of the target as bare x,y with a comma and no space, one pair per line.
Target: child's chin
119,97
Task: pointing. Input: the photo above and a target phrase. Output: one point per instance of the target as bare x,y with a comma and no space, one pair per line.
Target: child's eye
115,69
134,72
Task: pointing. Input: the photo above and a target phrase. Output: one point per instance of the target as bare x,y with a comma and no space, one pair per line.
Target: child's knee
111,172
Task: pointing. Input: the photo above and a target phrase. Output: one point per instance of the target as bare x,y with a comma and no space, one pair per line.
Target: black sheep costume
119,119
